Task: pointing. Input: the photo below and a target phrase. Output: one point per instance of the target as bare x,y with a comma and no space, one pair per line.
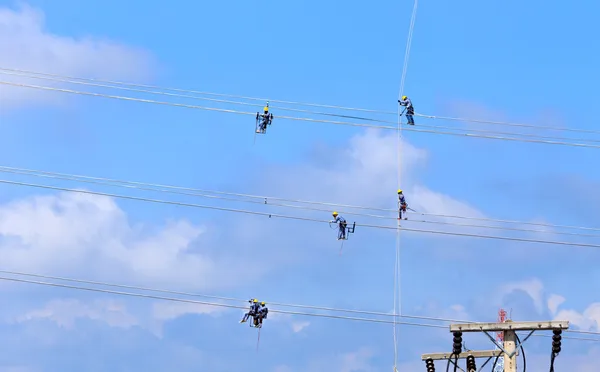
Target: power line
300,218
364,312
471,135
267,199
239,300
215,304
508,124
296,110
263,200
436,117
201,92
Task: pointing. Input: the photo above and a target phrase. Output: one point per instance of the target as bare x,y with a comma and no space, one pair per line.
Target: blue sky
470,59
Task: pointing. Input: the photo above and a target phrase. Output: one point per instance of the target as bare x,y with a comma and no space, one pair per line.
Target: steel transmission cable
525,135
470,135
364,312
197,92
502,123
297,218
213,303
264,200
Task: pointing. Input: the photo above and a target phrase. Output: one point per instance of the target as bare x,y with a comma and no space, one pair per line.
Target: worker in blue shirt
402,205
410,110
341,224
254,309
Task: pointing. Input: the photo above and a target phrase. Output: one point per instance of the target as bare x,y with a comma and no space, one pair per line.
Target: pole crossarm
464,355
510,326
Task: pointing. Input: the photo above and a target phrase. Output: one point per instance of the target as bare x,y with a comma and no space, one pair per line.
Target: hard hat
255,300
266,108
335,213
399,191
404,97
262,303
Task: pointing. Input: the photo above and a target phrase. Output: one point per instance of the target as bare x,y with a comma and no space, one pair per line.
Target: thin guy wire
298,218
240,300
300,110
303,103
398,265
150,187
470,135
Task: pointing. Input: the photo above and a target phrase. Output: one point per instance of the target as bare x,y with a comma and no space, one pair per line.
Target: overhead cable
263,200
215,304
267,199
298,110
238,300
233,299
437,117
412,129
199,92
294,109
573,244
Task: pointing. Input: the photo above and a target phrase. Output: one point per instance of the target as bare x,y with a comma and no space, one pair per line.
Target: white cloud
171,310
533,287
66,312
433,309
365,172
588,320
356,361
81,235
26,44
299,326
554,301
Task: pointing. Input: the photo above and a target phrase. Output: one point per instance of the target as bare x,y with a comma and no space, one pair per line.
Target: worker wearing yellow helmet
410,110
341,225
264,119
254,309
262,314
402,205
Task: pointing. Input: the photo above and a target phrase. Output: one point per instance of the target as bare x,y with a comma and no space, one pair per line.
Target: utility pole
508,349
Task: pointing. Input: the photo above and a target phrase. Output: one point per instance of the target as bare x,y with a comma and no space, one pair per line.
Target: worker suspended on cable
341,225
261,315
410,110
254,309
402,205
263,120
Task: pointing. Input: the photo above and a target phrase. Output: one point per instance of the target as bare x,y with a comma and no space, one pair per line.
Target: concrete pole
510,343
